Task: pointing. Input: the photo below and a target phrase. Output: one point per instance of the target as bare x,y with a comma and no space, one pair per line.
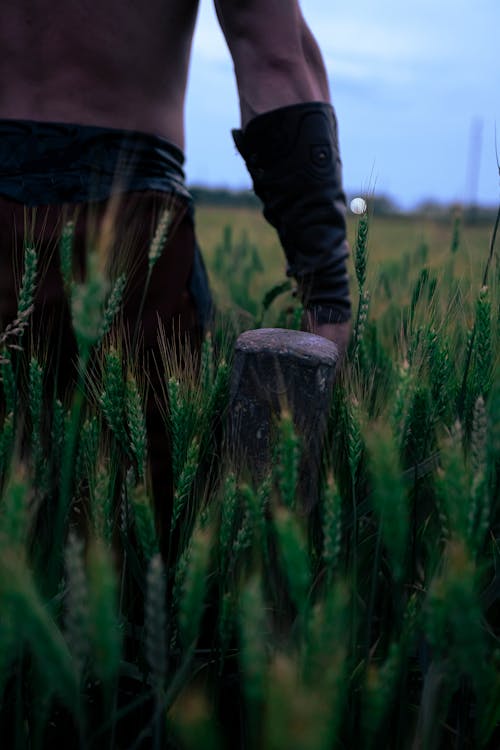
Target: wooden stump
276,369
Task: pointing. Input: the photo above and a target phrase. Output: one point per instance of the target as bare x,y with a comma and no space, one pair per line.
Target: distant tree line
380,205
205,196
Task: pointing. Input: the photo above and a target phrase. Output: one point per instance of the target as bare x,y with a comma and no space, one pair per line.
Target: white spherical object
358,206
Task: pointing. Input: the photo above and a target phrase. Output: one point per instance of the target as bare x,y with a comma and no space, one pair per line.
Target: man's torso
116,63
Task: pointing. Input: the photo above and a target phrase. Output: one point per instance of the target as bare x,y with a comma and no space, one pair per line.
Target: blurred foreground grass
374,622
395,240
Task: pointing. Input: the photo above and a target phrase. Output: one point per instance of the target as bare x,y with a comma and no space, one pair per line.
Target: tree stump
277,369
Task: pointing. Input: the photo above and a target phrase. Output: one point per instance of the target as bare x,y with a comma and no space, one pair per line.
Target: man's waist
46,162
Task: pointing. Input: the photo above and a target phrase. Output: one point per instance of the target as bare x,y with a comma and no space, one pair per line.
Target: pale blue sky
409,80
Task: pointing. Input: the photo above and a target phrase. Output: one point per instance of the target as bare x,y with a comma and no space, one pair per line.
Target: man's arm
290,145
276,58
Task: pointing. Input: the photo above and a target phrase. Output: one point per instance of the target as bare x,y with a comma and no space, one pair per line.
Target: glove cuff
293,158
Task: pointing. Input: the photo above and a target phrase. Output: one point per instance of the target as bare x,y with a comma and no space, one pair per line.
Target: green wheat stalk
155,627
143,516
156,247
332,526
207,370
219,394
442,380
101,505
242,541
480,505
155,621
483,343
136,422
36,409
7,436
105,628
294,556
253,503
113,306
76,610
361,251
87,302
28,282
179,419
15,512
57,434
35,627
229,503
380,687
453,487
389,498
288,459
191,604
112,399
453,616
88,449
8,381
360,265
478,354
185,482
12,334
253,635
324,660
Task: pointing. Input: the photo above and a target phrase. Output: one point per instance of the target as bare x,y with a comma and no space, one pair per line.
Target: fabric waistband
52,163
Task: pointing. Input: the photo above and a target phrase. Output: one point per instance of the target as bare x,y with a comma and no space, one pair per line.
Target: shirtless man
88,86
125,66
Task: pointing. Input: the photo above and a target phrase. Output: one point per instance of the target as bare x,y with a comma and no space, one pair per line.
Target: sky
416,88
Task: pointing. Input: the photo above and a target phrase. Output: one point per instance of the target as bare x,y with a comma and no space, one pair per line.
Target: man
92,107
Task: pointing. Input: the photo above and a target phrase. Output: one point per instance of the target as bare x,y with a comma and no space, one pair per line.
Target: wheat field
372,622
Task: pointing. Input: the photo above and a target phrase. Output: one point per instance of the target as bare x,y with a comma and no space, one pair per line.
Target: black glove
293,158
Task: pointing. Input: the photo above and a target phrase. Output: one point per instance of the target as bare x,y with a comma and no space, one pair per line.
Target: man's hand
339,333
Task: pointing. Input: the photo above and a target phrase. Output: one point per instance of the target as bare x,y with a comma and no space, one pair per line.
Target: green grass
372,622
391,238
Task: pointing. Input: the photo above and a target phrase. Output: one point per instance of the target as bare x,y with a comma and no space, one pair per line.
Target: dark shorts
51,166
115,186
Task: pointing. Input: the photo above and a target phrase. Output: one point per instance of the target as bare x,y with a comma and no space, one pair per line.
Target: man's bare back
125,64
114,63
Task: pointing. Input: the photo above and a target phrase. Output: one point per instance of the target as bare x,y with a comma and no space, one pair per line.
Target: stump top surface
284,342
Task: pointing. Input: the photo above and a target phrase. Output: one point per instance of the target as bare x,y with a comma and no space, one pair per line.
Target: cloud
387,43
447,43
406,78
